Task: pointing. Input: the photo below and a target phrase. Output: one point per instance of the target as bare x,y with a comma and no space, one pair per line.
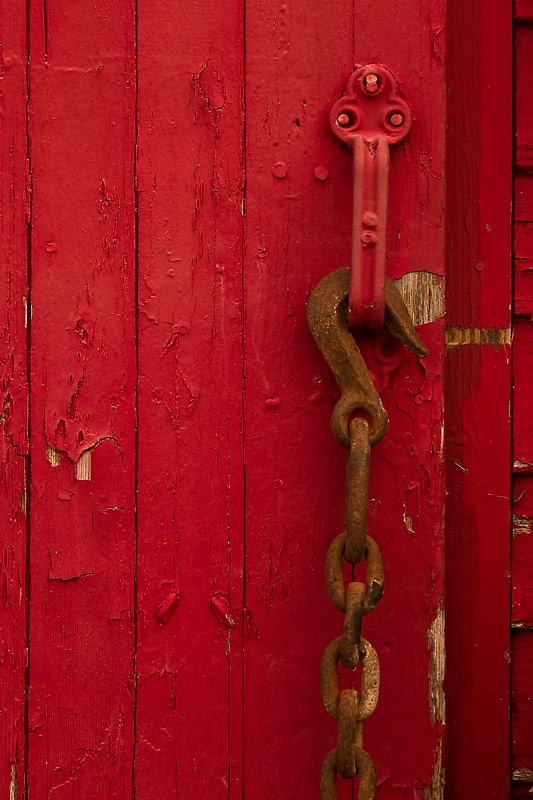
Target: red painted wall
170,523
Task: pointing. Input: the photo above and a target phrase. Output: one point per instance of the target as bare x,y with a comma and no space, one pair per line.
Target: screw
371,83
396,120
343,120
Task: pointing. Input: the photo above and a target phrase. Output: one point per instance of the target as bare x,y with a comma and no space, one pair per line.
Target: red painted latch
369,117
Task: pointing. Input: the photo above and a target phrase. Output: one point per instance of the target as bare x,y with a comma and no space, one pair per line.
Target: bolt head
371,83
343,120
396,120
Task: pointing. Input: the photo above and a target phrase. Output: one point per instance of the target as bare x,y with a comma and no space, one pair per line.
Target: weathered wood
83,377
523,244
524,96
523,10
522,571
478,289
522,389
522,664
14,181
298,228
190,474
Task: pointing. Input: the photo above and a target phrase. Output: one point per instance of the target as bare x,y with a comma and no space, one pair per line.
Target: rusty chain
328,320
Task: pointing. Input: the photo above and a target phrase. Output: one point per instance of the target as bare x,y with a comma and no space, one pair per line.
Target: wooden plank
298,229
522,706
83,376
523,244
522,572
523,10
478,291
522,388
190,499
13,395
524,96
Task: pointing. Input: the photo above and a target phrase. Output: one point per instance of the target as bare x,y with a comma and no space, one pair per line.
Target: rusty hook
327,315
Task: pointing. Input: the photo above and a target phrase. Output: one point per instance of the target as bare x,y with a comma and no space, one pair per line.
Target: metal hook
327,315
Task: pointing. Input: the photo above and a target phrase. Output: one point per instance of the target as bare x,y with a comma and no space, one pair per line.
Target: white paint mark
521,465
423,293
437,665
53,456
83,467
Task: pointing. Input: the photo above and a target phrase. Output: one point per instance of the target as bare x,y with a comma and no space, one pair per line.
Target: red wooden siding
190,470
13,394
298,229
478,289
83,372
522,564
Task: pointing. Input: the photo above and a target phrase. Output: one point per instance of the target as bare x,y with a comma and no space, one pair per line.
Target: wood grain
298,228
524,96
190,394
83,376
478,289
14,183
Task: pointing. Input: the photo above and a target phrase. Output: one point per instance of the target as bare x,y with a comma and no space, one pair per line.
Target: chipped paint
523,775
521,525
14,784
494,337
437,664
53,456
517,464
83,467
423,293
436,790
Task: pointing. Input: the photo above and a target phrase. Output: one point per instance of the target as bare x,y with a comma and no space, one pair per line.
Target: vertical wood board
298,229
83,374
14,181
190,473
478,300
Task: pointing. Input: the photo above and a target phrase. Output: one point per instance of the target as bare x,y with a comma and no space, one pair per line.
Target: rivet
370,219
479,266
343,120
396,120
373,503
419,399
280,170
321,173
369,237
271,404
371,83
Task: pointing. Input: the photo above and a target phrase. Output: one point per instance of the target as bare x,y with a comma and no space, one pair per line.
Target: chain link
358,421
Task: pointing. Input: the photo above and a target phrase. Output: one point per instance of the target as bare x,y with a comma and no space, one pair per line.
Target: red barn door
172,193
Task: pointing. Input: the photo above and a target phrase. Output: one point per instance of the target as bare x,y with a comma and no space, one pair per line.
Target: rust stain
437,664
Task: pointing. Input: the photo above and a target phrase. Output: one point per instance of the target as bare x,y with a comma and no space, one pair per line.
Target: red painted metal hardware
369,117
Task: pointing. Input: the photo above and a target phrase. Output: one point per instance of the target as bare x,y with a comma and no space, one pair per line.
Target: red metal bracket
369,117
